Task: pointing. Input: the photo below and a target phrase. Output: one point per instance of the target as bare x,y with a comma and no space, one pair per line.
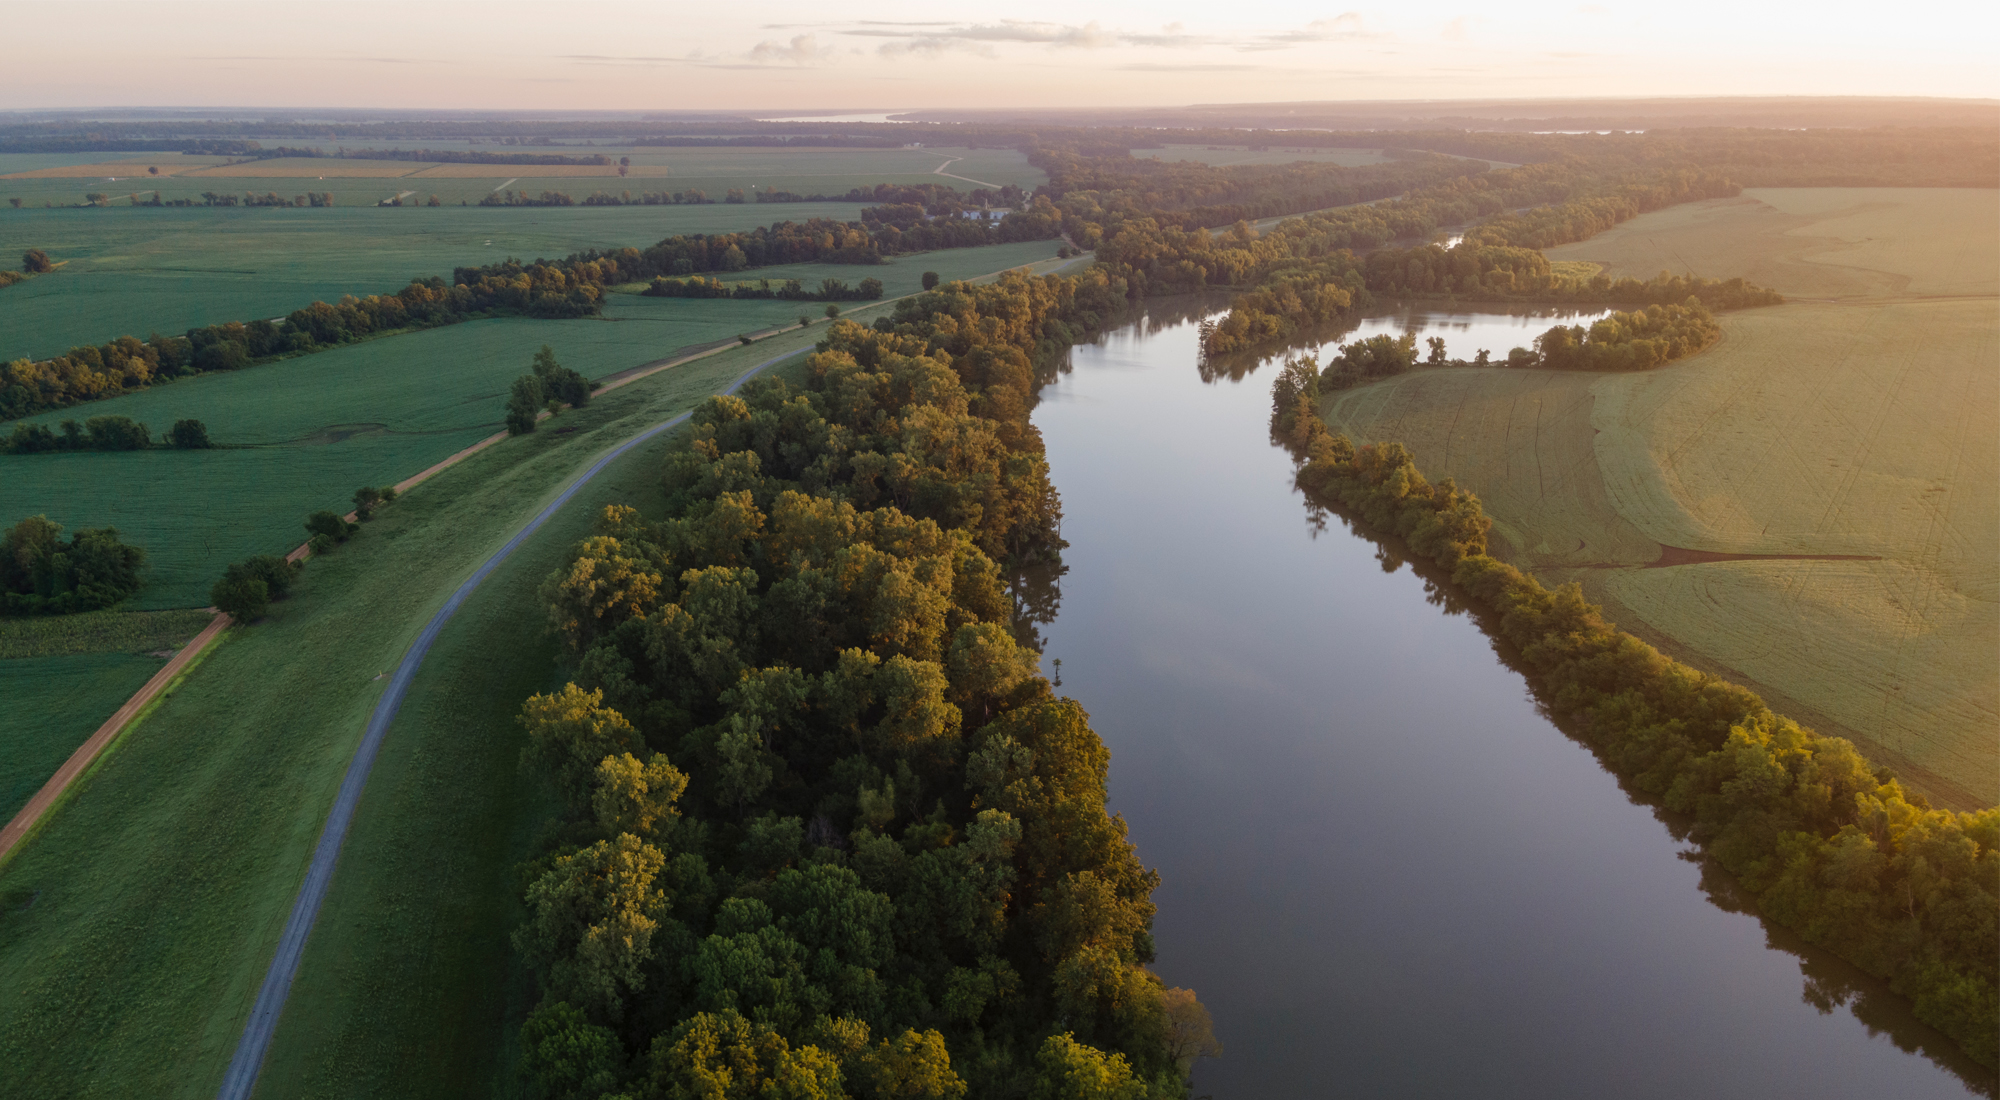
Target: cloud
1458,30
803,49
1345,25
981,38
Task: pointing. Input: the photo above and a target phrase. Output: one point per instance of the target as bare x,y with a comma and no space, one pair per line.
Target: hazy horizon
787,57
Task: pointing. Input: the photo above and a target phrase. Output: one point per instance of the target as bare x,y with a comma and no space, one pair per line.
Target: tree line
1306,272
570,287
827,830
1830,847
791,290
103,433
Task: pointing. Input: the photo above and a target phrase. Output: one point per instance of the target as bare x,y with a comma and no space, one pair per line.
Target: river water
1383,869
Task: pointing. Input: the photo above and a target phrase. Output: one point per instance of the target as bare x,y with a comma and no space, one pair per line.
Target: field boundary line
949,161
241,1078
86,754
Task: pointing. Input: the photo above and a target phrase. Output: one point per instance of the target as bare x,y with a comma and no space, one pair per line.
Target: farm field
302,434
356,182
54,703
1848,449
160,889
1228,155
138,271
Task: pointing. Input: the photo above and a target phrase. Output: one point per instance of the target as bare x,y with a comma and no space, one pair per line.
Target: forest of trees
829,829
1830,847
40,574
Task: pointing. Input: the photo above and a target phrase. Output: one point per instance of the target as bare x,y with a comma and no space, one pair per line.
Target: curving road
241,1078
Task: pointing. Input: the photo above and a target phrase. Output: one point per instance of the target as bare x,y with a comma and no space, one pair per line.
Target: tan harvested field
1817,242
169,164
536,171
1848,448
317,168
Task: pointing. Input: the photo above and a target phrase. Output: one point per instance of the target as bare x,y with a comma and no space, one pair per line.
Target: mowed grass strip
409,986
162,885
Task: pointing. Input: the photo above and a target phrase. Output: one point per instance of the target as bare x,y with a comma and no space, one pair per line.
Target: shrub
189,435
930,280
871,288
368,498
832,311
523,404
35,261
326,525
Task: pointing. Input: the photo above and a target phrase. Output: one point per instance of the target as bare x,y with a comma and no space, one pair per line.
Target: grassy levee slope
131,272
1846,445
160,889
302,434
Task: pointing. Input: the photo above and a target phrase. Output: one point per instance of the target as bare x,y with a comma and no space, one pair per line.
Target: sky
780,55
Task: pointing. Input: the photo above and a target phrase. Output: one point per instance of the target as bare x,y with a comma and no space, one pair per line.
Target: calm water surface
1385,872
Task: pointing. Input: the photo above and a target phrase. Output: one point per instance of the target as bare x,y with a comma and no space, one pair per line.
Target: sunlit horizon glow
787,56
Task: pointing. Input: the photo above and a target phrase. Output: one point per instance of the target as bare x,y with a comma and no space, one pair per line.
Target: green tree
189,435
566,1057
559,383
524,404
1069,1070
913,1066
117,433
324,525
592,917
243,599
723,1056
832,311
637,798
570,733
366,500
930,280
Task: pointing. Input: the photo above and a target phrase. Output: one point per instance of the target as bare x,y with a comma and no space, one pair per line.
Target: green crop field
1845,438
38,179
160,889
53,705
139,271
301,435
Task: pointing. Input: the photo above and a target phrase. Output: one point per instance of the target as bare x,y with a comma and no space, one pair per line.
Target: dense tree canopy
40,574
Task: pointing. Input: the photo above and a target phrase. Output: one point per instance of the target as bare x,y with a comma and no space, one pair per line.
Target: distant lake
1383,869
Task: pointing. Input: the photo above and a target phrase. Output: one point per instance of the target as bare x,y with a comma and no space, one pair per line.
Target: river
1385,872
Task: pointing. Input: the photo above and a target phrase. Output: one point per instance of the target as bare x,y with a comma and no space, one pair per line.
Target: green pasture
161,888
132,272
53,705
